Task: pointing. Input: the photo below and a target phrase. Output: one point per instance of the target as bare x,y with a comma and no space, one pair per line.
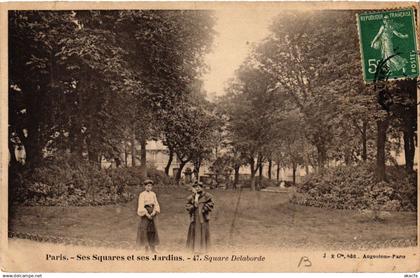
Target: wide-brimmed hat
146,182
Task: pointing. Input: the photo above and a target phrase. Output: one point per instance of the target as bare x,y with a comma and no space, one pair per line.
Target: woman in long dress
199,205
148,208
383,41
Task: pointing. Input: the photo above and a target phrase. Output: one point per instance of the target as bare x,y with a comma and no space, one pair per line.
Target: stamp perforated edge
415,37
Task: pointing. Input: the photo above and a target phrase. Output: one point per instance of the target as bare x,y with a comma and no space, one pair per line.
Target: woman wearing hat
384,41
148,208
199,205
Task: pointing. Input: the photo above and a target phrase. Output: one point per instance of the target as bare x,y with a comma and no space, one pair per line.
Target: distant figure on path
199,205
148,208
282,184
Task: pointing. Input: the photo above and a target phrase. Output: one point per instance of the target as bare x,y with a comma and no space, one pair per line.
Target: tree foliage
85,81
300,98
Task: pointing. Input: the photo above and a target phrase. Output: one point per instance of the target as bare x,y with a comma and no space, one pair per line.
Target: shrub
265,182
131,176
355,187
67,181
126,176
159,177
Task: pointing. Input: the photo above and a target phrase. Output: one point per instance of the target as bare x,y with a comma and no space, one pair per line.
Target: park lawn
264,220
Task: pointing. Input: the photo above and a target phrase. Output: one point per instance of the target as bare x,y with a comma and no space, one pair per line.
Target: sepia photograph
241,137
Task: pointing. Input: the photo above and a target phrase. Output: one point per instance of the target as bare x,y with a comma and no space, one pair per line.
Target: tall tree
253,115
85,78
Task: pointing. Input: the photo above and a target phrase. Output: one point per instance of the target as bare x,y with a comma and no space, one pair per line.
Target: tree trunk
253,171
270,164
197,165
168,165
133,149
117,161
33,150
52,69
409,149
76,139
364,141
125,154
347,157
32,143
260,174
307,162
93,155
75,133
236,176
278,172
13,160
382,126
322,156
294,166
178,173
143,158
252,181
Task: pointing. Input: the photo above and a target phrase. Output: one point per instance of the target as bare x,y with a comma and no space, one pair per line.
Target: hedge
355,187
68,181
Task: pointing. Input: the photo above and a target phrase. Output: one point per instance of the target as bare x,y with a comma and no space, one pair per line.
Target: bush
355,187
126,176
265,182
67,181
159,177
131,176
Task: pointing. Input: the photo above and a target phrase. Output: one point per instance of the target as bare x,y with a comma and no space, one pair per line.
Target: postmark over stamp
388,44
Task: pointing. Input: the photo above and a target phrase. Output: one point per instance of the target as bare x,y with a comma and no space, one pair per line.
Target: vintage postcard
209,137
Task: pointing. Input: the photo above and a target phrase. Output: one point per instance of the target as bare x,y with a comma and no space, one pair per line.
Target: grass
264,219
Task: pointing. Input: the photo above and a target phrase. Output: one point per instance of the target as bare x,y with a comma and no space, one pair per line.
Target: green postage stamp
388,44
